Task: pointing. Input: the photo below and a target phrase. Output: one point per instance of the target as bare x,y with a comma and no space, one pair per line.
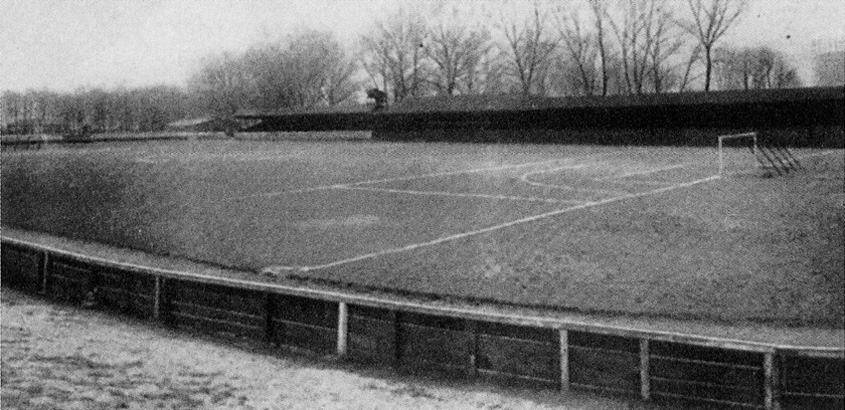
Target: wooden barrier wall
449,343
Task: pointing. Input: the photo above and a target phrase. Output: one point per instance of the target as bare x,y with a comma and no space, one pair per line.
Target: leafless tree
457,52
600,17
221,85
318,70
666,41
393,54
711,19
753,68
306,69
689,75
578,67
529,50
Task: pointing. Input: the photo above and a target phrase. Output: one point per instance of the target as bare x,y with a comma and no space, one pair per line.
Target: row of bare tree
119,110
577,47
307,69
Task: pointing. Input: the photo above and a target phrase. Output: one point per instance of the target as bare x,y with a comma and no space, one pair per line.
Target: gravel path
62,357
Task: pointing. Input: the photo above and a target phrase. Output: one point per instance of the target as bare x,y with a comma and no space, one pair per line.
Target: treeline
95,110
576,47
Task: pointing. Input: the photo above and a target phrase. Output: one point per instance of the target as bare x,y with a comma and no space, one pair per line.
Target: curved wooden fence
532,351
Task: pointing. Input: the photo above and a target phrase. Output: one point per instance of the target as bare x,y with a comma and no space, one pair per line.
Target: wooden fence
456,343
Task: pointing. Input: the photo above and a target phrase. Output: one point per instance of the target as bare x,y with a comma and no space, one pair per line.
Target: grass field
639,230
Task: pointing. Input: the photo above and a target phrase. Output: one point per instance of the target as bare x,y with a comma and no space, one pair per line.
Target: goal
747,153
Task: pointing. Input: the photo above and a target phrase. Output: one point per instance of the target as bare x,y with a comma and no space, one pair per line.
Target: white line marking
277,269
159,159
816,154
460,194
645,172
422,176
525,178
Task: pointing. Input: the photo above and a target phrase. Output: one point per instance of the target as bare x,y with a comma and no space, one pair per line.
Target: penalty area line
460,194
277,269
421,176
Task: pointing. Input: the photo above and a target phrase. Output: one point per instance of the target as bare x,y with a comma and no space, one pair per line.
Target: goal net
747,154
738,154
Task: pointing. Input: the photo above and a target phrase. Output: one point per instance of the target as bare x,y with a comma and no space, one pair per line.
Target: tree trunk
708,68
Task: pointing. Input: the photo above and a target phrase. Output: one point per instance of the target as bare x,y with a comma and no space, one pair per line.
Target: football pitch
650,231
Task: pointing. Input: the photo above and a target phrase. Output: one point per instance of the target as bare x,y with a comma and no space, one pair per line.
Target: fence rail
473,344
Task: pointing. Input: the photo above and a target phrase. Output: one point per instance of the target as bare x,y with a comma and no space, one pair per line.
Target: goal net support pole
754,149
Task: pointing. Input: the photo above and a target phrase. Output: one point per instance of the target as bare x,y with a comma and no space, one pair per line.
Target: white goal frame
752,135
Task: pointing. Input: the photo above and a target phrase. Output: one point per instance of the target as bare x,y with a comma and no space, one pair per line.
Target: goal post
728,145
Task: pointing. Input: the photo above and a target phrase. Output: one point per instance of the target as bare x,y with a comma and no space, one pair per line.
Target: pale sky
65,44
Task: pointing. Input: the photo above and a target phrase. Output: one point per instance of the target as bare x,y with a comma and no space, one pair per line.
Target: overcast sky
65,44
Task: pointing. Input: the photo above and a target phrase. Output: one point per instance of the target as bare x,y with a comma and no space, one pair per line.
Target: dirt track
61,357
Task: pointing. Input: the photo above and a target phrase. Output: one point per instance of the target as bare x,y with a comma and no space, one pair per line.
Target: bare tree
599,9
393,54
666,41
689,74
457,53
634,43
580,47
221,85
753,68
529,50
711,19
318,71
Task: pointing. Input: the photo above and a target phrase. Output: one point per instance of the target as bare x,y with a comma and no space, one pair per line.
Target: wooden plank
714,373
125,302
443,346
306,311
618,370
694,390
510,381
311,338
813,375
371,340
433,321
706,354
519,357
790,402
212,326
371,312
21,268
605,342
538,334
63,288
221,314
233,299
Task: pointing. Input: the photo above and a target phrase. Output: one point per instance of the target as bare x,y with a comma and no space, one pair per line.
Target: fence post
397,337
44,272
472,340
342,329
269,313
157,300
771,382
564,360
645,380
